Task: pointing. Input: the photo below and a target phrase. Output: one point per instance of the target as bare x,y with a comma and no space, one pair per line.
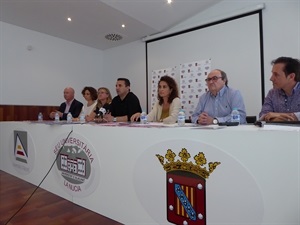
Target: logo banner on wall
77,164
156,75
192,83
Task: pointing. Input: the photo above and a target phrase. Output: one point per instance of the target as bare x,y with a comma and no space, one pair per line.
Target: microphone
102,112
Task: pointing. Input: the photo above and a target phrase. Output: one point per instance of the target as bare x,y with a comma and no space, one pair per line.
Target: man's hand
108,117
272,116
205,119
135,117
52,114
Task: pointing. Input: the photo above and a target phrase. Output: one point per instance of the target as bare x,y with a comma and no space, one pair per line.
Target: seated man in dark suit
70,105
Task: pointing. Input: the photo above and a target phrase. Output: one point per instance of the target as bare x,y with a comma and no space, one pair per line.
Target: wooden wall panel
24,112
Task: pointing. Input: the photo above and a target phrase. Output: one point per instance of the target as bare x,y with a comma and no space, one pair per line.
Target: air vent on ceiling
113,37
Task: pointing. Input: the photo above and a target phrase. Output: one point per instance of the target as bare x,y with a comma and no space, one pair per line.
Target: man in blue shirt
283,101
215,106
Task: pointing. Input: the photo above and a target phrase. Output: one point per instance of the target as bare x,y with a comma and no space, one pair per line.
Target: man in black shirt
125,104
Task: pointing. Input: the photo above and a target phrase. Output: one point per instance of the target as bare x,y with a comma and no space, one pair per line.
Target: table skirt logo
21,148
76,162
186,187
23,153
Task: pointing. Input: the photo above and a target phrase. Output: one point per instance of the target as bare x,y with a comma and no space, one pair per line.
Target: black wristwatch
215,121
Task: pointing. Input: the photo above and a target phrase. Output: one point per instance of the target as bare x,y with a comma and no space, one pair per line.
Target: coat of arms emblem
186,187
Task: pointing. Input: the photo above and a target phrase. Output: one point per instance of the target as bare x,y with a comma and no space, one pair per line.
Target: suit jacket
75,109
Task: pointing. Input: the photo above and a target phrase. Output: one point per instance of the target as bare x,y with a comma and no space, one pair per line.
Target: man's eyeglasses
215,78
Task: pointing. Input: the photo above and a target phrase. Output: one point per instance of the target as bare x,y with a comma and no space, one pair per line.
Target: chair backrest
251,119
188,121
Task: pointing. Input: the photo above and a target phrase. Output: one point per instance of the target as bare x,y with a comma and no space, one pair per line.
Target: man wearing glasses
216,104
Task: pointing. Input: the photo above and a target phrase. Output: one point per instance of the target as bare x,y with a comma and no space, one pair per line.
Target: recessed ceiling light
169,1
69,19
123,25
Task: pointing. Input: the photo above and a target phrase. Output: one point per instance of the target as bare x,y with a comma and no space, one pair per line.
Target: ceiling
92,20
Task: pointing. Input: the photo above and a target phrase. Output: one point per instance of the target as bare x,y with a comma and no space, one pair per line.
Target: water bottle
235,115
82,117
181,118
40,117
56,117
143,118
69,118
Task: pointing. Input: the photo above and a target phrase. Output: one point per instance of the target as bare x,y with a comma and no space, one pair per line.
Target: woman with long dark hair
168,105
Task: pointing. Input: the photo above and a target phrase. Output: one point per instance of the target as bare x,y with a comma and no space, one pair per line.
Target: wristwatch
115,119
215,121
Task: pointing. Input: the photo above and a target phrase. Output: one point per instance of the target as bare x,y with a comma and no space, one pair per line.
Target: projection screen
234,45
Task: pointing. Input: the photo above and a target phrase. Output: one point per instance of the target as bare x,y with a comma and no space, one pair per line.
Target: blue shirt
278,101
220,106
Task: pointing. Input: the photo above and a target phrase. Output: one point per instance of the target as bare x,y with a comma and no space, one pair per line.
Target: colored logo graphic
77,165
22,154
20,149
186,187
74,164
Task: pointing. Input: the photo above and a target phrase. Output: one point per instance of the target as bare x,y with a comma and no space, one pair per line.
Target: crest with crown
182,164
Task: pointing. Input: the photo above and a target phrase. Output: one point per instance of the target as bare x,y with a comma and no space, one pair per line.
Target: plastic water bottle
82,117
69,118
56,117
181,118
40,117
235,115
143,118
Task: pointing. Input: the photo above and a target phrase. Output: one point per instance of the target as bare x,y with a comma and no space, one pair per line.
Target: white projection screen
234,45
